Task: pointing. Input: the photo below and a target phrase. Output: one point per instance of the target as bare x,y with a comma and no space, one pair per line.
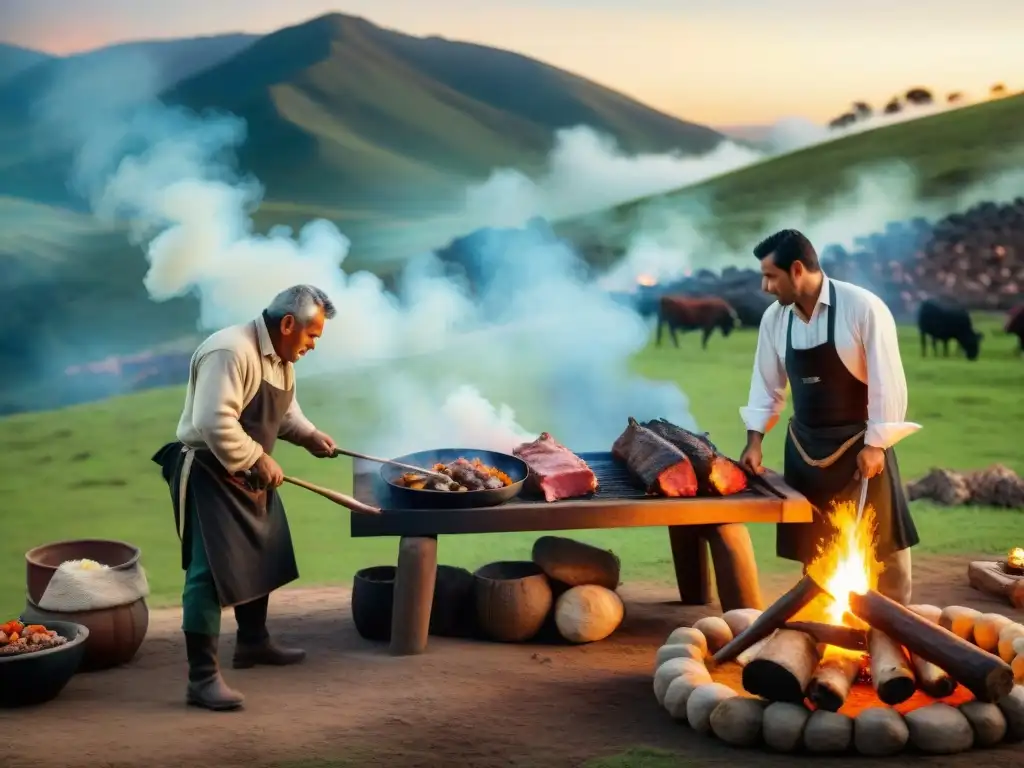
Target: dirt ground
461,703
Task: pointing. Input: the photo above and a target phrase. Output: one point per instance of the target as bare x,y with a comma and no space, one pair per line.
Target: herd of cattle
939,320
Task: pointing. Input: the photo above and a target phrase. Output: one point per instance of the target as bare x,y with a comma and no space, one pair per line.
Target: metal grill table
693,524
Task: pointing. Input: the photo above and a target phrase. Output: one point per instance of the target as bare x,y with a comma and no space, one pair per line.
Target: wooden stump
576,564
784,667
732,554
414,595
690,558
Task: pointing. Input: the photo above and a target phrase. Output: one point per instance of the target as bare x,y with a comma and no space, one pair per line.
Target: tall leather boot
206,687
254,645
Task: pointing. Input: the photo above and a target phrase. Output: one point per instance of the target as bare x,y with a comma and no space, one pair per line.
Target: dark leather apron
245,533
830,412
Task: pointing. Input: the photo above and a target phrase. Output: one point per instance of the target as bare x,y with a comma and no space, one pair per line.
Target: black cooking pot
410,498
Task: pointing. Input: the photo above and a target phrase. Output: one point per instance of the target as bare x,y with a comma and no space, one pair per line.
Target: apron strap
831,312
186,469
829,460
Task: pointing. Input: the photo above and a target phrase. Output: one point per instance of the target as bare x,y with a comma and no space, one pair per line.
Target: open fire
817,639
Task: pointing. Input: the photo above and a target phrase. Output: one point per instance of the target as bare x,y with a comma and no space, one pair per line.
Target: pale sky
713,61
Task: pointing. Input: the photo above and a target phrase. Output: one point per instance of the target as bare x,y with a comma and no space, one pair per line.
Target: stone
669,671
677,651
715,630
783,725
1017,665
689,636
828,732
987,721
1007,635
739,619
679,690
737,721
702,703
960,621
1012,706
930,612
880,732
986,630
939,729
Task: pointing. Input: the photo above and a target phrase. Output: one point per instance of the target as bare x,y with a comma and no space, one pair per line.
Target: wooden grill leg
414,595
690,557
732,553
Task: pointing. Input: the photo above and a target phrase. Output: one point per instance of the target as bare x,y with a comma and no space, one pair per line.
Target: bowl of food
455,478
37,661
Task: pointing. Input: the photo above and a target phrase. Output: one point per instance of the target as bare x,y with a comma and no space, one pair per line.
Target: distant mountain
344,114
14,60
755,134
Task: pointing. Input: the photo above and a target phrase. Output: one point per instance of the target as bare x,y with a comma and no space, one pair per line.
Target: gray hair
300,301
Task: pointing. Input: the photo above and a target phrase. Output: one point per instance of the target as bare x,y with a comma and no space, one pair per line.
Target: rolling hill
14,60
345,114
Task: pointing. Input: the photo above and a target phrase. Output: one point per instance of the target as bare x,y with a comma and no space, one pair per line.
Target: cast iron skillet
409,498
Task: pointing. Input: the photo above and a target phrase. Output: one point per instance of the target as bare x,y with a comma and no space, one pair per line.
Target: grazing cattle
681,313
750,306
945,320
1015,326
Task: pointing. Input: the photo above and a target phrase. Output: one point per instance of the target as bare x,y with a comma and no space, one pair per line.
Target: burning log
773,618
831,634
833,680
932,679
987,676
890,670
784,667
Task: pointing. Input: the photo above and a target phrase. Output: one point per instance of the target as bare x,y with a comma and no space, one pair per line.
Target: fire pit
1015,561
834,665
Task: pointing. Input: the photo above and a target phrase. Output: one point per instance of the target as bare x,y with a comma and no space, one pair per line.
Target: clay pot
373,591
513,598
42,562
115,634
33,678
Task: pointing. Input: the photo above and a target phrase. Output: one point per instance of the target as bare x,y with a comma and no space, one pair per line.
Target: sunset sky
715,61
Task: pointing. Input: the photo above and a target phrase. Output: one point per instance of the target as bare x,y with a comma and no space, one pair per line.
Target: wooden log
732,554
784,667
414,595
985,675
833,680
831,634
931,678
576,563
891,674
692,566
777,614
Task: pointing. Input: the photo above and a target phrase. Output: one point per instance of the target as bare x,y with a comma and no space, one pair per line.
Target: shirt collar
824,298
263,336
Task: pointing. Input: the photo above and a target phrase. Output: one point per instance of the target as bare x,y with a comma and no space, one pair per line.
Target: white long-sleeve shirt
865,338
224,376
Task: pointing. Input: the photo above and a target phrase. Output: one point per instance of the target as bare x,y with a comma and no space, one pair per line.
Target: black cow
750,306
945,320
681,313
1015,326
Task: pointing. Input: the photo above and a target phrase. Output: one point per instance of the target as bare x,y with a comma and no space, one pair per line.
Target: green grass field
86,471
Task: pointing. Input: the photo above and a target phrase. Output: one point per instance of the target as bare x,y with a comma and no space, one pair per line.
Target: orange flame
1016,557
646,280
846,564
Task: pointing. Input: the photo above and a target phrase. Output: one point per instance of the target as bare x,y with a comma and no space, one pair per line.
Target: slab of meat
555,471
661,467
716,474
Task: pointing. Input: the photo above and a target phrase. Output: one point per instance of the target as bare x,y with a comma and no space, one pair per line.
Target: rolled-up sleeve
217,406
768,381
887,382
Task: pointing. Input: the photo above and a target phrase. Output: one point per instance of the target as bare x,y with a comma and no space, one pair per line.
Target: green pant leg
200,604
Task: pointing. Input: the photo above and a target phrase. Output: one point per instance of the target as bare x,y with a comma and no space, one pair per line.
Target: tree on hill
918,96
863,110
893,107
997,91
954,98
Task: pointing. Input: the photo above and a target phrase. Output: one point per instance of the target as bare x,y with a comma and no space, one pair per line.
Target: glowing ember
1016,557
646,281
847,563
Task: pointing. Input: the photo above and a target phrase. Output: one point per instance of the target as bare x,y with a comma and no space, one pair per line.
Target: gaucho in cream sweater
224,376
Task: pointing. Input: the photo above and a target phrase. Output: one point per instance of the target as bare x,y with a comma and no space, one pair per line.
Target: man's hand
321,445
268,471
751,458
870,462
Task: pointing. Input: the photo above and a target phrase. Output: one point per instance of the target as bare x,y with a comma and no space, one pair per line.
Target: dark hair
788,246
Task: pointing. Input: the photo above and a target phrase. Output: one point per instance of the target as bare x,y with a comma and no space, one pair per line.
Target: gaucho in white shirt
236,547
835,344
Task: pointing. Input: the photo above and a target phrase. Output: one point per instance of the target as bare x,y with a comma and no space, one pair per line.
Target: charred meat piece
465,474
716,474
555,471
661,467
